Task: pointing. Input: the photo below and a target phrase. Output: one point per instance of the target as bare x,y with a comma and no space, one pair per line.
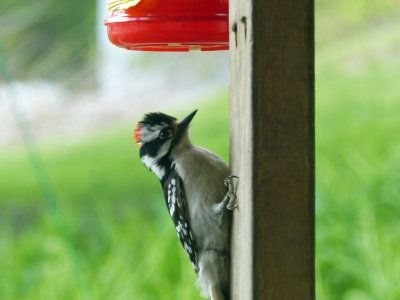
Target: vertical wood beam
241,149
272,148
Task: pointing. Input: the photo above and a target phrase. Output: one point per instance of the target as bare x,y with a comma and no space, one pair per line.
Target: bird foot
231,194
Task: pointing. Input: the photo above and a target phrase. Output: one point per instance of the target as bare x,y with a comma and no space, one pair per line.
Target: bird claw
228,202
231,194
228,180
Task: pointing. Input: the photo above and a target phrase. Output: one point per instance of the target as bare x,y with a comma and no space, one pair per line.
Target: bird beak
184,123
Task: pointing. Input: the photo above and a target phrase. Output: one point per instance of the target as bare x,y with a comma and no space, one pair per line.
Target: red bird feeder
171,25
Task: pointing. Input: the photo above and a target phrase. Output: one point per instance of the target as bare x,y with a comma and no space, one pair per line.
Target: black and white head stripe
156,133
157,118
176,204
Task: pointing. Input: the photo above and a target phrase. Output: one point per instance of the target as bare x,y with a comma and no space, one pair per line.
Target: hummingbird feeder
169,25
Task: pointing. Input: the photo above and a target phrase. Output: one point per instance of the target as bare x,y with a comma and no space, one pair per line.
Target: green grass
358,166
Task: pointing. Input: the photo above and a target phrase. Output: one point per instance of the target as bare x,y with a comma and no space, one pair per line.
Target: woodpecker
199,195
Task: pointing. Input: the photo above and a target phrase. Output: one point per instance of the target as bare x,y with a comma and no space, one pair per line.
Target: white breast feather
151,163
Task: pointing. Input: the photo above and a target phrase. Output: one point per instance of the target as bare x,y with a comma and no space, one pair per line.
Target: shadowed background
88,221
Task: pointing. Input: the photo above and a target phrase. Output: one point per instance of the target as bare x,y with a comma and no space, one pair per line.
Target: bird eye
164,133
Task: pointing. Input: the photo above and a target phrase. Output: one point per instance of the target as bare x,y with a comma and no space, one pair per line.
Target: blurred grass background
111,236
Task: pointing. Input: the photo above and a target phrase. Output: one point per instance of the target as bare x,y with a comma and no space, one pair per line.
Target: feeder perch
171,25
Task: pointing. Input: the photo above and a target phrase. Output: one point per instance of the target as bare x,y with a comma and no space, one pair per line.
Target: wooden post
272,148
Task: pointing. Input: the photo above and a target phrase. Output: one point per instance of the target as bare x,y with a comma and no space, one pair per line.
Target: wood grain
241,154
272,148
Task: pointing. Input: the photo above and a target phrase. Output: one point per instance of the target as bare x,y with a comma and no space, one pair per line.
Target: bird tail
216,294
213,275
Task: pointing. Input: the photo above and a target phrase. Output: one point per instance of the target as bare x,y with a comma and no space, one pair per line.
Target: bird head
157,135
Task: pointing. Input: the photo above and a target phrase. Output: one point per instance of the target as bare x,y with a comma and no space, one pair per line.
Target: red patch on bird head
138,135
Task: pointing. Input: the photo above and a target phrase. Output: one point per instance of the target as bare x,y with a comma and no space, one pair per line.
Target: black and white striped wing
175,199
